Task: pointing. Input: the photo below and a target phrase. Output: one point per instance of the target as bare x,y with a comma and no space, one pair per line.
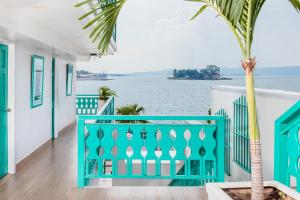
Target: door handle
8,110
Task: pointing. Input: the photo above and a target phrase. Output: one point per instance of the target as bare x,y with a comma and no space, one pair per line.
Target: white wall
33,125
270,105
64,113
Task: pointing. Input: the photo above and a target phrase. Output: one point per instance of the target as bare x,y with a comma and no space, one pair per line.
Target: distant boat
93,77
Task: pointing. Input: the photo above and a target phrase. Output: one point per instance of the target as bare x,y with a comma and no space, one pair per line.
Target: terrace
111,154
70,147
191,151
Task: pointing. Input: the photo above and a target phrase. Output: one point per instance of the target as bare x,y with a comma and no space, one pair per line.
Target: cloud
157,34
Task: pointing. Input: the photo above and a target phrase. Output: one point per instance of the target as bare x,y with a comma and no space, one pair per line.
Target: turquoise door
3,109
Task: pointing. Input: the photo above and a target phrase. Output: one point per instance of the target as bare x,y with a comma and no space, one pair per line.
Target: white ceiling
53,22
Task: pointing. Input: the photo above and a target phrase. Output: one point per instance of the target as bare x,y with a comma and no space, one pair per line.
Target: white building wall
33,125
65,105
270,105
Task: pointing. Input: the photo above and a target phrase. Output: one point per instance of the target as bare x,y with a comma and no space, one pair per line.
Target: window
37,80
69,84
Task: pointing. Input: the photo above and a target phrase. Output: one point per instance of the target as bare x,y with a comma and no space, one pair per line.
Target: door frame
5,157
11,85
53,99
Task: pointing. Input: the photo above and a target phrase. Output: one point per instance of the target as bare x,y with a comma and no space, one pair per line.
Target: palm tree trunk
257,188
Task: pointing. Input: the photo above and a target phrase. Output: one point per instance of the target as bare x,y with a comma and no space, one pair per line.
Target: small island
211,72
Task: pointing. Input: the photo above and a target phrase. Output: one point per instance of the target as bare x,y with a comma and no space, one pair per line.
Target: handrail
102,140
106,105
86,104
287,147
149,117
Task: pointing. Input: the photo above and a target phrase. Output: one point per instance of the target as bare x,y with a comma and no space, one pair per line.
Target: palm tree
240,16
105,93
133,109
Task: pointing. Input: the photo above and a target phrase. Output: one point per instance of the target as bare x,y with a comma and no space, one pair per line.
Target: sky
158,34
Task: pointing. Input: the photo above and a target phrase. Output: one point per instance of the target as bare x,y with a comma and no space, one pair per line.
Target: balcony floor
52,173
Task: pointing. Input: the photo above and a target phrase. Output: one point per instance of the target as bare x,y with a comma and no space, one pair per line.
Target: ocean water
160,96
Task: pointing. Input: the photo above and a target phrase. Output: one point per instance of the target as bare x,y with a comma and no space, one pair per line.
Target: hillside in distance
234,71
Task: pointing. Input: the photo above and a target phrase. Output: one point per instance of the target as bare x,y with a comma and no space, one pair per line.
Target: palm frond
296,4
104,16
105,93
240,15
132,109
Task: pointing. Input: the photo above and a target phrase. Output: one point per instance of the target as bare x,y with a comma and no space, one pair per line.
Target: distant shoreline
173,78
90,79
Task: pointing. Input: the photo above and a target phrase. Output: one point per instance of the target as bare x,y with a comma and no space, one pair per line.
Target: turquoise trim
108,107
33,104
53,99
87,104
287,146
99,135
115,33
241,139
227,138
69,85
3,107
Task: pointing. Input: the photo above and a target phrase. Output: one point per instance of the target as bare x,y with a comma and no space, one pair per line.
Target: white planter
215,192
100,104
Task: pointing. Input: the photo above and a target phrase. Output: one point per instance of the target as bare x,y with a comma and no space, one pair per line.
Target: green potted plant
104,94
133,109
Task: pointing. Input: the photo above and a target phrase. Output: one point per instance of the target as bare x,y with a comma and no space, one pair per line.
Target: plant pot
216,191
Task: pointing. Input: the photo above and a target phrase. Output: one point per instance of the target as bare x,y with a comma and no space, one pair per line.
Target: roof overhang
53,22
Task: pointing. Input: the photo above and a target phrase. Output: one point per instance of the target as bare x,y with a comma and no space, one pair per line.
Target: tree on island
211,72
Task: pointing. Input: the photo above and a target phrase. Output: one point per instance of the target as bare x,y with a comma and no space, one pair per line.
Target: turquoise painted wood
154,142
241,140
287,146
3,109
53,99
195,165
87,104
109,107
227,145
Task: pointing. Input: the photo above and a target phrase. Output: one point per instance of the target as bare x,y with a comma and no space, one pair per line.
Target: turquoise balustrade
108,108
87,104
227,146
195,166
101,140
241,139
287,146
